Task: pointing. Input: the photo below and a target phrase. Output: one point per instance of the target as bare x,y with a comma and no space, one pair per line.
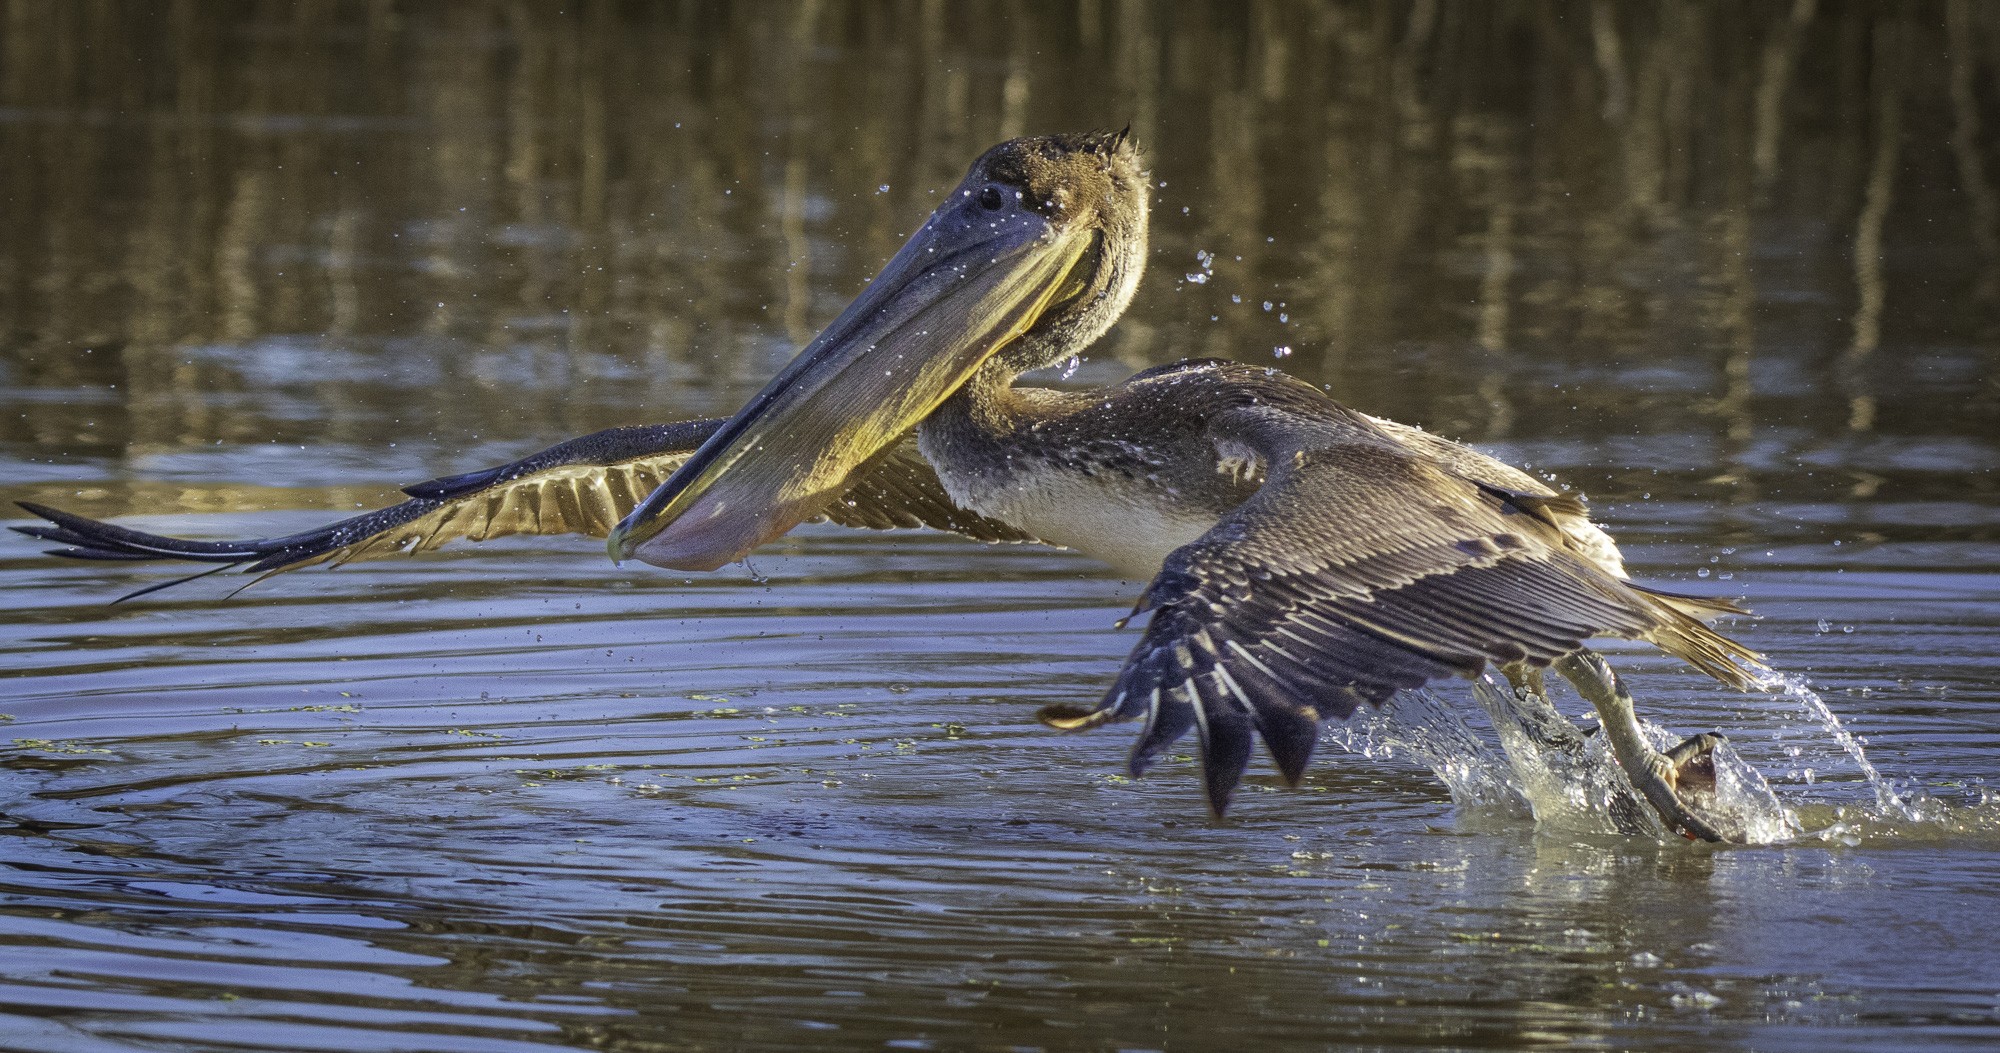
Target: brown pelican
1305,559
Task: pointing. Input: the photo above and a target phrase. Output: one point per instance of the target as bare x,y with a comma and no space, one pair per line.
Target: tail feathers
1703,608
1684,636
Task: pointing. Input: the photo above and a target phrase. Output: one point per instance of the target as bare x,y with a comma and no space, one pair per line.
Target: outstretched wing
1361,567
583,486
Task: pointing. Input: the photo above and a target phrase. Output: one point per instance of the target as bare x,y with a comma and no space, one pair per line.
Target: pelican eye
992,198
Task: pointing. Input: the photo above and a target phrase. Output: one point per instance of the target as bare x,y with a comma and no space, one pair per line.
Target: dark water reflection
1733,269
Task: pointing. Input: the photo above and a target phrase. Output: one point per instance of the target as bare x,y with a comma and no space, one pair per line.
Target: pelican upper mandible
1304,559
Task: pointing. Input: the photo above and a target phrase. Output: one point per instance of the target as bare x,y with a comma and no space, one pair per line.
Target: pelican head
1025,263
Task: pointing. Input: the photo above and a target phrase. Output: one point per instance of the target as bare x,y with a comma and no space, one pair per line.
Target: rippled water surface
1736,274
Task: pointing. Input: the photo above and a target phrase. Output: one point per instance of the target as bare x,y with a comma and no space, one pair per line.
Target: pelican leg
1534,716
1657,776
1538,717
1693,760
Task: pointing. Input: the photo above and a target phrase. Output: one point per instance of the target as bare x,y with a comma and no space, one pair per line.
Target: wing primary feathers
95,540
1226,741
1289,731
1168,718
171,582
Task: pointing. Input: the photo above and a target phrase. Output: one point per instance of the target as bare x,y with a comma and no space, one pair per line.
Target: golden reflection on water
635,205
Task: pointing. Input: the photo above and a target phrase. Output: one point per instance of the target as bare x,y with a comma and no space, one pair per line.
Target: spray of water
1829,729
1421,727
1816,746
1527,758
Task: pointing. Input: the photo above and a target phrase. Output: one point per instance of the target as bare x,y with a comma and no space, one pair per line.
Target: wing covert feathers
1364,566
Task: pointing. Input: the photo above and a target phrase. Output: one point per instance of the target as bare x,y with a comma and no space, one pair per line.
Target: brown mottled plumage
1367,560
1305,558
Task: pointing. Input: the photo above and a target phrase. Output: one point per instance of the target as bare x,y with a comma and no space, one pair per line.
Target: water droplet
883,189
1070,367
1282,351
1825,626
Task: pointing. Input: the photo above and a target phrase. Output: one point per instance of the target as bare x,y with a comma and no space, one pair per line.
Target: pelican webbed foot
1694,766
1669,781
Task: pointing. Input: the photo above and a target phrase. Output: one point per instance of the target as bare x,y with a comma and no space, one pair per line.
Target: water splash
1569,778
1532,761
1814,708
1420,726
1816,741
1527,760
1205,261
